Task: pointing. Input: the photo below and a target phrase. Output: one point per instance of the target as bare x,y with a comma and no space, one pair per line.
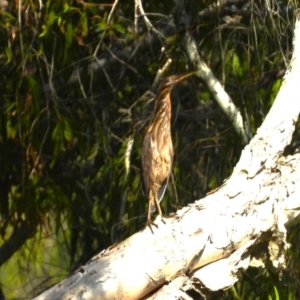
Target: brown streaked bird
157,148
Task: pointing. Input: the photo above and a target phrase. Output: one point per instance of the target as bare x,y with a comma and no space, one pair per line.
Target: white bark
216,89
205,73
203,245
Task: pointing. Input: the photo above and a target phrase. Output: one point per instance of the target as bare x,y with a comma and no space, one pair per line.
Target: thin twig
139,6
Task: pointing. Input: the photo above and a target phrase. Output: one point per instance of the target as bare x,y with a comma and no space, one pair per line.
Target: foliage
72,78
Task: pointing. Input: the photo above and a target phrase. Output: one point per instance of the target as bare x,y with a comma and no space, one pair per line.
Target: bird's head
172,80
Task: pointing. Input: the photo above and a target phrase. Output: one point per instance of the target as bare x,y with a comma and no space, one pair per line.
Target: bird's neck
163,103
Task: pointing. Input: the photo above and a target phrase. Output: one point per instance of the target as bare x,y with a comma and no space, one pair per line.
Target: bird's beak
178,78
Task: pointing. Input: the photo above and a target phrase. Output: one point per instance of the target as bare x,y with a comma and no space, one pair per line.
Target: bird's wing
146,158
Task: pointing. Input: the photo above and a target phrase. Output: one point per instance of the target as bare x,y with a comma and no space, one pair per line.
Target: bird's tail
160,195
152,207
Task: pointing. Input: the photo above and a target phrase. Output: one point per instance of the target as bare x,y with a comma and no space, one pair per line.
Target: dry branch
205,73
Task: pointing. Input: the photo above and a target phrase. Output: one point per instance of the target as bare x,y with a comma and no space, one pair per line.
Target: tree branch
215,87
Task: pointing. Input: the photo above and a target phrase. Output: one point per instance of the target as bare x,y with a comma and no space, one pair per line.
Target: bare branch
215,87
139,7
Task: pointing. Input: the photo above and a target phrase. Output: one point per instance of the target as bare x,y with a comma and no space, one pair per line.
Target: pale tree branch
213,84
139,8
203,246
217,5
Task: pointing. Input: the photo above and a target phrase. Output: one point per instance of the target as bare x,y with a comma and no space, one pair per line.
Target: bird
157,147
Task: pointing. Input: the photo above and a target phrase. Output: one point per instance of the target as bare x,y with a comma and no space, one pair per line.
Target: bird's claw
162,219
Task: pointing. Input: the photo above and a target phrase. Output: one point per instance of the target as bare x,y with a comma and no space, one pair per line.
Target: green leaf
119,28
68,133
120,94
34,89
236,64
101,26
44,31
69,35
277,297
68,8
84,24
51,18
8,55
275,89
7,16
59,20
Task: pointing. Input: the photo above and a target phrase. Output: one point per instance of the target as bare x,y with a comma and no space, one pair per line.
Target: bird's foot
149,224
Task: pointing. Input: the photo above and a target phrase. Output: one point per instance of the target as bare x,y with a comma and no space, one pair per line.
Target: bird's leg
158,208
149,221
